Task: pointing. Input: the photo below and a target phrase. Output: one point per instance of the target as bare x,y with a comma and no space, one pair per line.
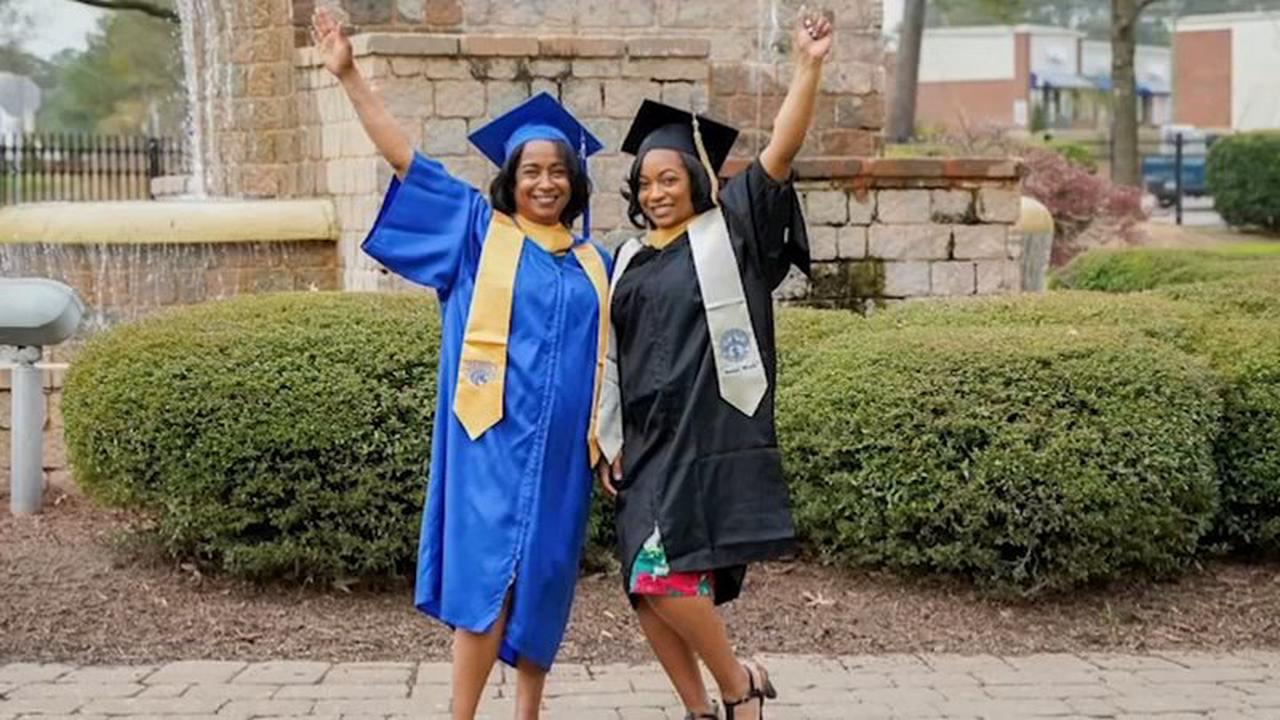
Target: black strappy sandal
714,714
762,693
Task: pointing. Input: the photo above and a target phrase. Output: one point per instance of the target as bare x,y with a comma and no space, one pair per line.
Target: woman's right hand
332,43
610,474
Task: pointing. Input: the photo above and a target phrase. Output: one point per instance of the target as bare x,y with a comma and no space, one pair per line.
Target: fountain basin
129,259
179,221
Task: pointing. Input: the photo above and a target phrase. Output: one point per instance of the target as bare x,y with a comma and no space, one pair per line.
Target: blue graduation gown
509,510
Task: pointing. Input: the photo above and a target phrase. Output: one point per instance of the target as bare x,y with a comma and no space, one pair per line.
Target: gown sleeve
766,214
430,227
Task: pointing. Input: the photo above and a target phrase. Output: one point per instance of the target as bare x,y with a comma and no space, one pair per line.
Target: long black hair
699,188
502,191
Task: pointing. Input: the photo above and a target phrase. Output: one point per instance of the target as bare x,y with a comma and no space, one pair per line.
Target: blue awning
1061,80
1147,87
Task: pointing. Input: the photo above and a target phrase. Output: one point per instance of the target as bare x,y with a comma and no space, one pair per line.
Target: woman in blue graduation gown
523,340
687,415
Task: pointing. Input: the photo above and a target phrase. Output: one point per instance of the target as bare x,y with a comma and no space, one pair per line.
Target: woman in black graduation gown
687,413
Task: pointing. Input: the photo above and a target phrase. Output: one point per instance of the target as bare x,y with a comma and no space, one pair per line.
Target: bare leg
530,680
677,658
696,621
473,657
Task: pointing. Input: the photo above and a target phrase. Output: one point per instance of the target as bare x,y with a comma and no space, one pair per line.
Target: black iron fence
64,167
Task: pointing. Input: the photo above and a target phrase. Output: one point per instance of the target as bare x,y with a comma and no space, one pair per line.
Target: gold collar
661,237
552,238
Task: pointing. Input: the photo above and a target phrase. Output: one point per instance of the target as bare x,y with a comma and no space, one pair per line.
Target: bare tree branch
141,6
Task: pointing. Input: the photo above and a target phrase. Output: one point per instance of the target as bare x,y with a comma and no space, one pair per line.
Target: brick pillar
244,99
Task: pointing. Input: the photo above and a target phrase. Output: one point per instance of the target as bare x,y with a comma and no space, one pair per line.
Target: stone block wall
251,103
440,88
744,45
120,283
884,230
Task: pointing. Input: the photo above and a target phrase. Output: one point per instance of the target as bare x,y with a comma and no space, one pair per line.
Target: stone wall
253,104
884,230
746,46
442,87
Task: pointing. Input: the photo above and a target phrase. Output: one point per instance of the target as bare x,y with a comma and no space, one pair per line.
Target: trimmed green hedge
1146,313
1022,459
1145,269
268,436
1232,324
1246,354
1242,174
1256,296
801,333
1030,442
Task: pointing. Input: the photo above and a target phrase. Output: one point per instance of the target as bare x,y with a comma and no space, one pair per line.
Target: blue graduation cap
541,117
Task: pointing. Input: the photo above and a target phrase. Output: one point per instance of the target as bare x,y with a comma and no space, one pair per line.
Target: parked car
1159,175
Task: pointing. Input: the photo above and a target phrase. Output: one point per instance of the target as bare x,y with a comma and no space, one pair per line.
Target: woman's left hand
813,35
610,473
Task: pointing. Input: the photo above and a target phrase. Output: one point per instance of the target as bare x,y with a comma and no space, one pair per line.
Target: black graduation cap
661,126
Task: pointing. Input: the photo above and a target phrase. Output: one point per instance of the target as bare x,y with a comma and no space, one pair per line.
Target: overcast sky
59,24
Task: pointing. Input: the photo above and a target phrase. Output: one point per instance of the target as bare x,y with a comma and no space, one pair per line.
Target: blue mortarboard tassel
586,211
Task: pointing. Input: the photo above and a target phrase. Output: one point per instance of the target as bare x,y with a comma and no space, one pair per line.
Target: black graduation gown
706,475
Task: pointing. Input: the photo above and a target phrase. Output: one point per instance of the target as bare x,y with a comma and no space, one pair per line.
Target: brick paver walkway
1166,685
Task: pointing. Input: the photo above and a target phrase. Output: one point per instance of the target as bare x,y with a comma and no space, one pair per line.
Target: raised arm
812,44
382,129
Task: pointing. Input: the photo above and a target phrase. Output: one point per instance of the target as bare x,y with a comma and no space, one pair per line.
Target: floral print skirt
650,574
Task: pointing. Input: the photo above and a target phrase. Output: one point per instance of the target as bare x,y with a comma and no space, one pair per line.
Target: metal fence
65,167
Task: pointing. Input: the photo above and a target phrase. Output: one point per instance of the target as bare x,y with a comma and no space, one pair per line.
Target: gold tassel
706,161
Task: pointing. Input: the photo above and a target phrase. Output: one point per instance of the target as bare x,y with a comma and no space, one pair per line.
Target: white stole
739,366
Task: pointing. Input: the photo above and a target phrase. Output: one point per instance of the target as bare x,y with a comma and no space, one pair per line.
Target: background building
1225,71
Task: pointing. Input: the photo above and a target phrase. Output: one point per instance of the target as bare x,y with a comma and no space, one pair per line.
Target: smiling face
665,190
542,182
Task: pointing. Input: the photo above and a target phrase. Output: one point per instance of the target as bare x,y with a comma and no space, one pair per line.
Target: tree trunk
1124,92
902,118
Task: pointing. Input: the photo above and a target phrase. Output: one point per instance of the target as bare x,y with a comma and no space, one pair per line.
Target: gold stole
478,398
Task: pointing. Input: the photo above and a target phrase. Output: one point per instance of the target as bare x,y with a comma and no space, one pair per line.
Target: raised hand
332,43
813,34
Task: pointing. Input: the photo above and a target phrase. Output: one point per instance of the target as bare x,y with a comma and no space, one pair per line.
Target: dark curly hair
699,187
502,191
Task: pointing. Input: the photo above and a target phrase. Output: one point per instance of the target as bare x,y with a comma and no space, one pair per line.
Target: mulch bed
74,592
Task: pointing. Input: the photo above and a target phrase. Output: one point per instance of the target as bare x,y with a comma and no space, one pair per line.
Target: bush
267,436
1246,353
801,333
1254,296
1242,174
1221,321
1151,315
1079,199
1025,460
1147,268
1077,154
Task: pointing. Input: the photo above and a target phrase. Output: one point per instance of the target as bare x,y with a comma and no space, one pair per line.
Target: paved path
1167,686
